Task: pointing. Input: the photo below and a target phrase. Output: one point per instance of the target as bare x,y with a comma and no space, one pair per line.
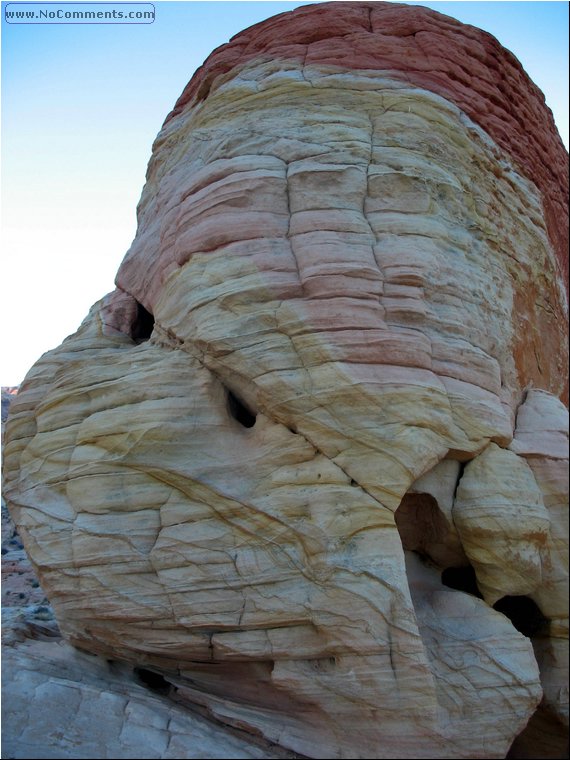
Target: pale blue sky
81,105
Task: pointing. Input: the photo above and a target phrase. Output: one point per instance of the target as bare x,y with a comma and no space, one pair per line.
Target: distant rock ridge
308,463
8,393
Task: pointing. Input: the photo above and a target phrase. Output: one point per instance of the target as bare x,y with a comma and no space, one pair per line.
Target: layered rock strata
256,461
62,703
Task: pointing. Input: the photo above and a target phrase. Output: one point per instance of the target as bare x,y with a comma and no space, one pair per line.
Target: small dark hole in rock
461,579
143,324
523,613
153,680
240,412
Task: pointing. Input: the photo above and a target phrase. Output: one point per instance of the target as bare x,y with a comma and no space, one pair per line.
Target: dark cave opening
523,613
143,325
240,412
461,579
153,680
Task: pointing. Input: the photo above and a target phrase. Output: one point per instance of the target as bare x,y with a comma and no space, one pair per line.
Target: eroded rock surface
59,702
278,464
62,703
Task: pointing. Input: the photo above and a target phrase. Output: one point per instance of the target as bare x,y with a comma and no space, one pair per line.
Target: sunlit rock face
278,464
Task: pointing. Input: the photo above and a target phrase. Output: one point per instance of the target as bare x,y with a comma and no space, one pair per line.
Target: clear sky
81,105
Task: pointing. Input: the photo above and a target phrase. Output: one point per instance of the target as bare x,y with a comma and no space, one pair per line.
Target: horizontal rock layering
329,378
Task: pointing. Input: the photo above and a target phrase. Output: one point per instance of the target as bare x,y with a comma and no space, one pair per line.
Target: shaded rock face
329,378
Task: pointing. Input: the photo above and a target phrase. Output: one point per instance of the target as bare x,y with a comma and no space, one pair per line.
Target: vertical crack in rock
367,185
288,233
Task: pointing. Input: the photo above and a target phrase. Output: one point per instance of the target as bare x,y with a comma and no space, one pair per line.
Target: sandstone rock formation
58,702
62,703
312,445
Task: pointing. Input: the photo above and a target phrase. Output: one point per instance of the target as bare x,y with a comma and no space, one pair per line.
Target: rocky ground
20,586
22,594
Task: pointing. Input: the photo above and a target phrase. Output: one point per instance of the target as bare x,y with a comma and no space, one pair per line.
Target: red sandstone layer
459,62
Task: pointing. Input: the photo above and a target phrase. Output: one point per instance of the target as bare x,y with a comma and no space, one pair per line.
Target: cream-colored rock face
334,265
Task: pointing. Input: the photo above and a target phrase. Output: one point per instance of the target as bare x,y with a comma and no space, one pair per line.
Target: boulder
278,465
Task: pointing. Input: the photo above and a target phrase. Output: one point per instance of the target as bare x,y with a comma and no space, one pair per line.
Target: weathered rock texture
62,703
256,461
58,702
